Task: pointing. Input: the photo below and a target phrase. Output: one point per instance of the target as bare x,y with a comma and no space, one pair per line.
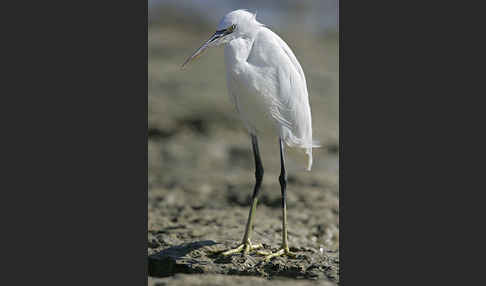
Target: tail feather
309,160
304,142
308,151
298,143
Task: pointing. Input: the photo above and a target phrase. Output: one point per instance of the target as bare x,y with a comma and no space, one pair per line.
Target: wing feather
281,81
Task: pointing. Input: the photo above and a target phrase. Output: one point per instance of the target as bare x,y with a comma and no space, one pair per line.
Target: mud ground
201,169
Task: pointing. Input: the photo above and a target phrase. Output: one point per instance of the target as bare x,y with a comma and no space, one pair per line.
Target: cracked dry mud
201,171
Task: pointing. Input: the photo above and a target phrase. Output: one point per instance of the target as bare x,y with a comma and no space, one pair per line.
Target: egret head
235,24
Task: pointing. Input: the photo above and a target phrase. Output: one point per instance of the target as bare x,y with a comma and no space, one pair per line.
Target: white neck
238,49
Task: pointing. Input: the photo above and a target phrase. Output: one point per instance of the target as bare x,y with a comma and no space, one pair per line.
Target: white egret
268,88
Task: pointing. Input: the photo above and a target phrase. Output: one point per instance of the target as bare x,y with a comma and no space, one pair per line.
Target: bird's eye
232,28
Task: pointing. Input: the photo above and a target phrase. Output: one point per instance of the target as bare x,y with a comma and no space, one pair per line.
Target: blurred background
200,158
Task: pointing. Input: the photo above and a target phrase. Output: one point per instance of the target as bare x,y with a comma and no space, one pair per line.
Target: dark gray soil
201,170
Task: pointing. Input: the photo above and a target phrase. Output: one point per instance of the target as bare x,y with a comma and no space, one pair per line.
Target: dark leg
246,243
283,188
256,190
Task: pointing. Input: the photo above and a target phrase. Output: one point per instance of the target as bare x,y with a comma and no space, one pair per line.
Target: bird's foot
283,251
244,248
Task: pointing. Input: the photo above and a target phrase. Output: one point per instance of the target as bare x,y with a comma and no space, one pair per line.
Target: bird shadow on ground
172,260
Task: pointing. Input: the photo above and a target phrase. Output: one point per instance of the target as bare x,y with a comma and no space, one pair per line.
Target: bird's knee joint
282,179
259,174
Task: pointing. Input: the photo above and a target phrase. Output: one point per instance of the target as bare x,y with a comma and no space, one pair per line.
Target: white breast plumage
269,89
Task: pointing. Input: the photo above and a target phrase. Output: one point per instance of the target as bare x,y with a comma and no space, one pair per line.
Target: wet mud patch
159,134
195,125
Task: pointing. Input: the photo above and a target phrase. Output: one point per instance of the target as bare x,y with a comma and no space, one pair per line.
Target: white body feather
268,88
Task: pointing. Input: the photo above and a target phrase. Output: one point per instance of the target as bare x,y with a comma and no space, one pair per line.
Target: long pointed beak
201,49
